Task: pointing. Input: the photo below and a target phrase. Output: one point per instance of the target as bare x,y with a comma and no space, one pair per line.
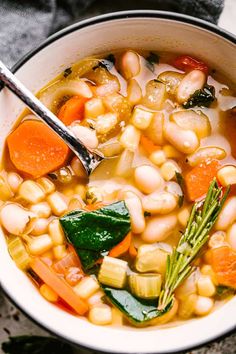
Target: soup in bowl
149,238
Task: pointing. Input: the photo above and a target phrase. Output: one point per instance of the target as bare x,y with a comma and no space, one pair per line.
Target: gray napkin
25,23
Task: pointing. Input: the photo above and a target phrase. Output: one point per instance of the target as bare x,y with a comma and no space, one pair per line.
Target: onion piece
124,165
111,148
196,121
155,95
171,79
203,154
52,96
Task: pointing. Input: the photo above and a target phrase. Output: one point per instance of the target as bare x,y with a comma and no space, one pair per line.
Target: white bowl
135,29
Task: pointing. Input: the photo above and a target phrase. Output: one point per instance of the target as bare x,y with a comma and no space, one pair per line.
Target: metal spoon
89,159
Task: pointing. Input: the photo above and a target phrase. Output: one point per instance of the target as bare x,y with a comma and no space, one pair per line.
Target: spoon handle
89,159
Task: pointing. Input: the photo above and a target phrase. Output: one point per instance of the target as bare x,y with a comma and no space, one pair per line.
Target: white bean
147,178
31,191
187,307
93,108
183,216
188,287
134,92
78,168
193,81
39,245
227,175
86,135
57,203
14,218
100,315
155,130
40,226
86,287
135,208
159,228
14,180
231,236
130,64
227,215
203,305
128,188
159,202
205,286
186,141
168,170
43,209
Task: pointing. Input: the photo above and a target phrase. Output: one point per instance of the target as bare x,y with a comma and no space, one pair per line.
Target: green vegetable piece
137,310
180,181
201,98
67,72
152,59
95,233
35,345
107,63
222,292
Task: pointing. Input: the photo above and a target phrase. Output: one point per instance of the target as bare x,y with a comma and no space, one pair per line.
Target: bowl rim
121,15
178,17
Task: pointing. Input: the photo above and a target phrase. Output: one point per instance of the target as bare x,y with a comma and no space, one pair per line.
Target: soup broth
150,236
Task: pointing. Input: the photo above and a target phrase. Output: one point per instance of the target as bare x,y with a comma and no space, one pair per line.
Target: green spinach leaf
137,310
201,98
94,233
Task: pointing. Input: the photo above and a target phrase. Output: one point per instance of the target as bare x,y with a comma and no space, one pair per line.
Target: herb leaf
201,98
223,291
153,58
96,232
107,63
180,181
35,345
67,72
201,220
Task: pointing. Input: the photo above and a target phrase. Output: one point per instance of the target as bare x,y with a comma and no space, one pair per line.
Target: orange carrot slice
197,180
223,262
59,285
148,145
71,260
72,110
122,247
35,149
132,250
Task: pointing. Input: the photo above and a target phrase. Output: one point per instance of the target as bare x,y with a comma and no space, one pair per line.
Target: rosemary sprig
201,220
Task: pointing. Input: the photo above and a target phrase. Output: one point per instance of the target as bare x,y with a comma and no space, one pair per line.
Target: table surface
12,322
